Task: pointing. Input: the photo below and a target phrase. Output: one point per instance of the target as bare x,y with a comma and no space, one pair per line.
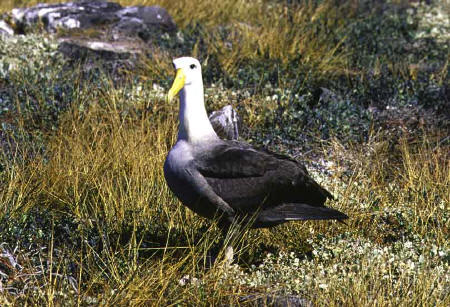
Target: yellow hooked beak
177,85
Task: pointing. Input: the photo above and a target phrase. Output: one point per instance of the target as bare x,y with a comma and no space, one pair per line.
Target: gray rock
5,29
111,57
151,16
130,26
226,122
143,21
89,14
121,33
68,15
110,51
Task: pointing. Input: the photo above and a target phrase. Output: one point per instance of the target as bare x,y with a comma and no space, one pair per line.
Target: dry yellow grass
103,167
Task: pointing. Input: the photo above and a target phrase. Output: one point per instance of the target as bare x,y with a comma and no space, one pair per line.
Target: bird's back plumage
269,187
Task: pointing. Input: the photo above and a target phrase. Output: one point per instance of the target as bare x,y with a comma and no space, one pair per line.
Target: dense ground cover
358,91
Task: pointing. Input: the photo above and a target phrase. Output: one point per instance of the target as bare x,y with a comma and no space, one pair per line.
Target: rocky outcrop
5,29
133,20
93,30
96,49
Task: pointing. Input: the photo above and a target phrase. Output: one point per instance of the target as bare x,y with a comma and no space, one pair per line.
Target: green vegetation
359,91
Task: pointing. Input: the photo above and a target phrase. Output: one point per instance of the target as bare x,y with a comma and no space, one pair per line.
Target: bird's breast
176,172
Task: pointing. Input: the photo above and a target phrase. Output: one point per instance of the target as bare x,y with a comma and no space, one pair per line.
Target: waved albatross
232,180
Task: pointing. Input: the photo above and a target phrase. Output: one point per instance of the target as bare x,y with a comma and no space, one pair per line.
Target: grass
86,217
133,237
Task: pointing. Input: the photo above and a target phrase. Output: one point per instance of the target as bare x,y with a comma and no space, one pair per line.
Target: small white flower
421,259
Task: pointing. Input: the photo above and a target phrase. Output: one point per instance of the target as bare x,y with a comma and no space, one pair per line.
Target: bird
232,181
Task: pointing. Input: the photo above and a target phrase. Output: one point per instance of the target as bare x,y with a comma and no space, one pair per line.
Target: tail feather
299,212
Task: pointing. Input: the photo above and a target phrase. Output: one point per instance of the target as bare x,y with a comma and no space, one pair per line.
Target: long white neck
194,123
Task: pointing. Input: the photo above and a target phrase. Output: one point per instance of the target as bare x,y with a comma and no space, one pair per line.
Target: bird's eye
192,66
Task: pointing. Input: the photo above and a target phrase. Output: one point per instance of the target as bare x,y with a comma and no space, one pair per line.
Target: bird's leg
211,257
228,233
213,252
229,255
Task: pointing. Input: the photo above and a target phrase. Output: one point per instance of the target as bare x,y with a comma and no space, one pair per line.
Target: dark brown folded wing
250,180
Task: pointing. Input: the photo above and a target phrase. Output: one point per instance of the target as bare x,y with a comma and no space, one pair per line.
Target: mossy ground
359,92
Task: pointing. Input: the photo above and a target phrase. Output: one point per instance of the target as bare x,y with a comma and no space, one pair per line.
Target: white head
189,72
194,123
